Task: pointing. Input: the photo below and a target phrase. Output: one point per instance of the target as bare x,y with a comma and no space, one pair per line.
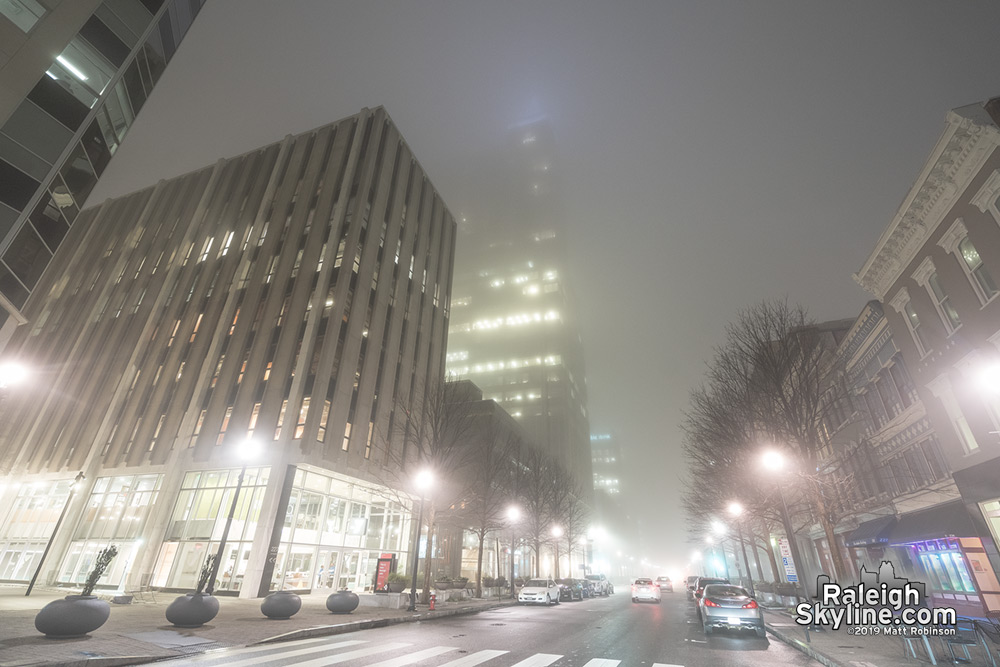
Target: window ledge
955,331
989,301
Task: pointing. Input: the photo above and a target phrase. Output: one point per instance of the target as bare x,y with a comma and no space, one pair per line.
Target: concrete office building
514,331
606,458
73,75
296,295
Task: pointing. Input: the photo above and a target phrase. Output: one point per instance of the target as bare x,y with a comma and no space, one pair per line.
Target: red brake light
709,603
750,605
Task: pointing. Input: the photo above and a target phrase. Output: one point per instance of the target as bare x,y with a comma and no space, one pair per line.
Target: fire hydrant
434,598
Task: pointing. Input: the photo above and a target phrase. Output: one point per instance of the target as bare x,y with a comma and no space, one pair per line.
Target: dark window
3,316
167,38
935,462
16,187
49,223
63,199
27,256
133,83
37,131
79,175
904,385
11,288
58,102
97,149
104,40
23,159
154,57
152,5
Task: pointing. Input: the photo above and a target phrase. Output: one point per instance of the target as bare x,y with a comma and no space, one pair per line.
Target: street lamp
11,373
736,511
513,515
422,481
62,515
775,462
248,452
557,532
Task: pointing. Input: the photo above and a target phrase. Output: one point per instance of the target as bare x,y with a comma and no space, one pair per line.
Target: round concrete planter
192,610
73,616
281,605
396,586
342,602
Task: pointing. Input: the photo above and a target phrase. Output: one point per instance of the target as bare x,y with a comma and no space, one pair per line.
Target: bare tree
570,511
534,485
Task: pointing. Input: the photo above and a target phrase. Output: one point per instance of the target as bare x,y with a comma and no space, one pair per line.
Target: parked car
665,584
539,591
601,584
725,606
645,589
570,589
589,590
691,581
699,585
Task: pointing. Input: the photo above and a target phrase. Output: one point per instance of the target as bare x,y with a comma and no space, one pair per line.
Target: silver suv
601,584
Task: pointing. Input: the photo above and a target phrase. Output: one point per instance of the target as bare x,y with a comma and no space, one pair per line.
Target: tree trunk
769,550
428,555
840,570
538,553
479,565
756,557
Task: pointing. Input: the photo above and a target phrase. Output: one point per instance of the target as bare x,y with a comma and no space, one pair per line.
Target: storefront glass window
28,523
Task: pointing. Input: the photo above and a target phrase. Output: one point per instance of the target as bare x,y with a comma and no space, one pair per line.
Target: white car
539,591
645,589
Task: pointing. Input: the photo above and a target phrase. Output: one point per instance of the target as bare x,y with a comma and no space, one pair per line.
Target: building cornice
958,155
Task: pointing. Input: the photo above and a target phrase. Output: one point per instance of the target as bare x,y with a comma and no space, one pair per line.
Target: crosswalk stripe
351,655
248,662
602,662
414,657
538,660
474,659
664,664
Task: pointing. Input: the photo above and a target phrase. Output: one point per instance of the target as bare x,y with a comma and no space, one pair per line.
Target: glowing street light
12,373
249,451
774,461
422,482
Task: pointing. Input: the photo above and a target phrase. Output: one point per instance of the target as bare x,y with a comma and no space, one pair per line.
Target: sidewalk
841,649
138,633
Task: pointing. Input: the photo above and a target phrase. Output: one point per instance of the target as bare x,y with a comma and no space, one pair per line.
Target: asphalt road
601,632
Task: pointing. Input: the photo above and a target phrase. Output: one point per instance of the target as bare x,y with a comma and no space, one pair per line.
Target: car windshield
594,577
706,582
643,582
537,583
726,591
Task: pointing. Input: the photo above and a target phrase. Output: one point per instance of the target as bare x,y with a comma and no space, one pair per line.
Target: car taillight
709,603
750,605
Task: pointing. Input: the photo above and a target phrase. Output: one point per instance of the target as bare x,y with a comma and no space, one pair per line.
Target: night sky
712,154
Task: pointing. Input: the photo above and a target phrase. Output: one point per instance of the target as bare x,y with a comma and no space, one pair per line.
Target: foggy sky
712,154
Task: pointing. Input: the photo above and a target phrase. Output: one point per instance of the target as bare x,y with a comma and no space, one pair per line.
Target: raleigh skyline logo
881,603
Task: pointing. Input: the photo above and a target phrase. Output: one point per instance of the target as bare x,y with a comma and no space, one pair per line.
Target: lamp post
513,514
423,481
48,545
557,532
247,453
775,462
736,511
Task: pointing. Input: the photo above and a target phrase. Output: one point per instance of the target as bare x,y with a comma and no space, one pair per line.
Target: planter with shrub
76,615
195,609
396,582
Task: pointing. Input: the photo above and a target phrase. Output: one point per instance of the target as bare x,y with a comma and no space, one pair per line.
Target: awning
949,519
872,533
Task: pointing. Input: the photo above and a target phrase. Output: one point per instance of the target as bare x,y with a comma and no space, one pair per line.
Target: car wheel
762,633
634,600
548,601
707,628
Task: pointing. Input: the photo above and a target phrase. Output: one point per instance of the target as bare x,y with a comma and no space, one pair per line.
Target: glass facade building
297,295
62,118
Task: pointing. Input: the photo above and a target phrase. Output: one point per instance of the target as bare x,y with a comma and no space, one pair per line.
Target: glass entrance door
326,568
349,570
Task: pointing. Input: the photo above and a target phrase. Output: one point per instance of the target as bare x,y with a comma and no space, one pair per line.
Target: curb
304,633
342,628
808,649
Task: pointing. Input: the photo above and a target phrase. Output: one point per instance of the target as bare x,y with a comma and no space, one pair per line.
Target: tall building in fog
73,75
606,456
514,331
296,295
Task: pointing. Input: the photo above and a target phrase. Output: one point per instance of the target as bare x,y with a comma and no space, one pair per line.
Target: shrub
500,581
104,559
489,582
397,578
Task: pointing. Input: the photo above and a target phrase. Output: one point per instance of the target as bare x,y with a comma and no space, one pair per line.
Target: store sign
382,571
786,560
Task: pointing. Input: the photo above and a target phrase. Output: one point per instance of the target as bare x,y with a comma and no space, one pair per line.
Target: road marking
248,662
538,660
474,659
414,657
238,651
663,664
602,662
351,655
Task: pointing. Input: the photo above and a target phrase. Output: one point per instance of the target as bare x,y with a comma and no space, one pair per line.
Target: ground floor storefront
291,528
